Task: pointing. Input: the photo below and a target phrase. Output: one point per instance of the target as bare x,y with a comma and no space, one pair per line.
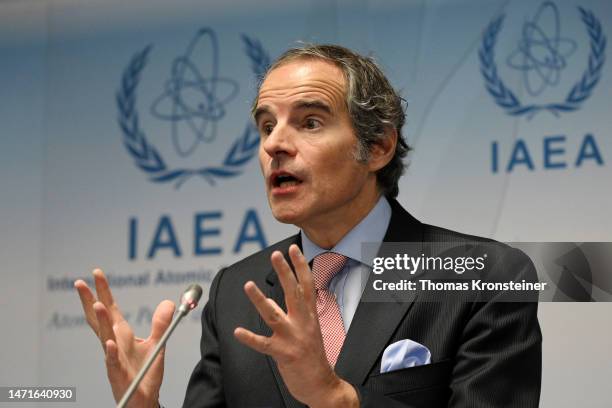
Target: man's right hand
124,353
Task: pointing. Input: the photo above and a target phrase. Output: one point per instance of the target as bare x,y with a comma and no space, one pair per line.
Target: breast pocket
433,376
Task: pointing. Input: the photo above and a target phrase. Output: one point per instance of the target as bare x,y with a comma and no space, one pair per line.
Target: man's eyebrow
259,111
316,104
305,104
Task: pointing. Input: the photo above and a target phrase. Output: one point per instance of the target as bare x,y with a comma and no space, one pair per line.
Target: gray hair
373,105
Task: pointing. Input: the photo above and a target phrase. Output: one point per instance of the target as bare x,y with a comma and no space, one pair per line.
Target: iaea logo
192,102
541,55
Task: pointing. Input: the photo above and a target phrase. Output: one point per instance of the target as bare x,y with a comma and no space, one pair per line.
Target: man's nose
280,141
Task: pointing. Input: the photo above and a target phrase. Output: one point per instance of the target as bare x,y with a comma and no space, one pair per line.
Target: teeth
288,183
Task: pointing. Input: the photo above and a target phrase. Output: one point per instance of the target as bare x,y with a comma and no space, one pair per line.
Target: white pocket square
403,354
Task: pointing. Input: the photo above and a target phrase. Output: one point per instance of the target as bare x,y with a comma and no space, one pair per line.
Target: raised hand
125,353
296,343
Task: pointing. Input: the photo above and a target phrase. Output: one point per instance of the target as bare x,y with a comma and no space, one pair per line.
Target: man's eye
311,124
267,128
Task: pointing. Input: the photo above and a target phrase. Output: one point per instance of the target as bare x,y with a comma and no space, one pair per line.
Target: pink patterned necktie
324,267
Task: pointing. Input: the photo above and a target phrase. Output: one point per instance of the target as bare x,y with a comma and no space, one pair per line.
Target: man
331,154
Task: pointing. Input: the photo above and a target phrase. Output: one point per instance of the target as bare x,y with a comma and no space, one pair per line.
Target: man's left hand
296,343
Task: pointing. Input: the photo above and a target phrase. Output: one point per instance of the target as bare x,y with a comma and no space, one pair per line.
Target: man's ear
383,150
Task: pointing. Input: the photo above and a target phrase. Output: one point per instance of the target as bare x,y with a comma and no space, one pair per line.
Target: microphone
190,298
189,301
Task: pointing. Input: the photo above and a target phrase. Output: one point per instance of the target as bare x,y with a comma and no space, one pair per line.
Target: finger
124,336
303,273
105,295
112,354
162,317
257,342
105,324
287,279
269,311
87,301
117,374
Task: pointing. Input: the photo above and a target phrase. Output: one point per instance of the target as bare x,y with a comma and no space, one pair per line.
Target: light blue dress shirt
349,283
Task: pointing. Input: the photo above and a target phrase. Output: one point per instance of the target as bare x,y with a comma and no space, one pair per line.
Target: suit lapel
375,322
274,291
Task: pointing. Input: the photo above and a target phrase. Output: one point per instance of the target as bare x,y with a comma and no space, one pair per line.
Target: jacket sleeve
205,388
499,360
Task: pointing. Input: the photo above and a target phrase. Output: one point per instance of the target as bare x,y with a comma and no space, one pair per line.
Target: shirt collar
370,229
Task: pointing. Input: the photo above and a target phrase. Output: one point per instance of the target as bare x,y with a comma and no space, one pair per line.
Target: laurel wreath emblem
581,90
145,154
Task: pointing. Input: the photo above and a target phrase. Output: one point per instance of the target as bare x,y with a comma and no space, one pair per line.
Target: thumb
161,319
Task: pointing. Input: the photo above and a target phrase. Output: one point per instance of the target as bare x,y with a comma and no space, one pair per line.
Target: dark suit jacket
484,353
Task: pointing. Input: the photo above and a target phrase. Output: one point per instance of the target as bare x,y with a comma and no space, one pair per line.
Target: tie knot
325,266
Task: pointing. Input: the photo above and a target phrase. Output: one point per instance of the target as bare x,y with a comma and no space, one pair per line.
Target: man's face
307,149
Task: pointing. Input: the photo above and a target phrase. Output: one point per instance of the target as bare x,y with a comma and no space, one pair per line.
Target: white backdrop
78,191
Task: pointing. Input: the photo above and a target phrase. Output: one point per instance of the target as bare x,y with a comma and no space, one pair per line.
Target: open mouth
284,180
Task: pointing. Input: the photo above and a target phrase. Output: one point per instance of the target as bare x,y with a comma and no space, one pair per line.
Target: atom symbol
190,98
542,55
